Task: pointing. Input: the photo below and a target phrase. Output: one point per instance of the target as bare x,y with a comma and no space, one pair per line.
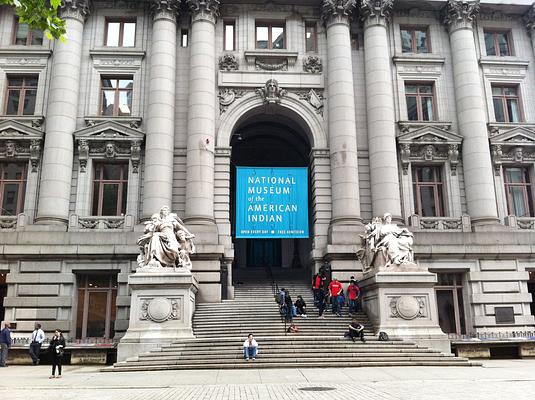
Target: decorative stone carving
78,9
20,142
135,155
314,98
337,11
407,307
312,64
529,20
166,242
453,156
271,64
168,9
375,11
204,9
460,13
228,62
385,246
83,154
227,97
512,146
159,309
271,93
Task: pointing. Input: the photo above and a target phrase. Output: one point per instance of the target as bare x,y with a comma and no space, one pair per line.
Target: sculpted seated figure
166,242
385,244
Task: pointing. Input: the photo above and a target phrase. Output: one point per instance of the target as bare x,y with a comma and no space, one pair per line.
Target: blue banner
271,202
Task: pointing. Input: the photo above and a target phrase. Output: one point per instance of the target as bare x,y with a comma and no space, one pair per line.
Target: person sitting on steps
250,348
355,330
301,307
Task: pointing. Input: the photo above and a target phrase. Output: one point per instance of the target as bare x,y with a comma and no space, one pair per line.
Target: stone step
277,349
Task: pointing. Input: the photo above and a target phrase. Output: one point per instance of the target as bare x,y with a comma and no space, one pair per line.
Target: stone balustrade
458,224
78,223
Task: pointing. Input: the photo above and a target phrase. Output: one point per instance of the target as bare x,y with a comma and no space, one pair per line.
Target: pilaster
381,117
160,121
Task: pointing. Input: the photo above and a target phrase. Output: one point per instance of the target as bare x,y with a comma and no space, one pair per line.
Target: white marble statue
385,245
166,242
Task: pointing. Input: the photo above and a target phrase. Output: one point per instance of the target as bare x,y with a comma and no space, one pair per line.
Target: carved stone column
160,121
471,115
345,221
381,116
201,113
56,175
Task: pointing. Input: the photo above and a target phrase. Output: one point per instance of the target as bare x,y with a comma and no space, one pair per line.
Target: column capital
165,9
337,11
77,9
529,20
204,10
459,14
375,12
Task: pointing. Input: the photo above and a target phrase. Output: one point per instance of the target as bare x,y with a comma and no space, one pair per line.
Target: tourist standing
290,308
301,307
38,336
250,348
353,291
321,304
318,283
335,288
5,344
56,349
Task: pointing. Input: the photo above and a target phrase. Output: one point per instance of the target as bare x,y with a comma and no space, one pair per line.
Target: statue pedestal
403,304
161,309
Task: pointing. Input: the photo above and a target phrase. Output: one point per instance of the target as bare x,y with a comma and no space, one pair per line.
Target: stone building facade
422,109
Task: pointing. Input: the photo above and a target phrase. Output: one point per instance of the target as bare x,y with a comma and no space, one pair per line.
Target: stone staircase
221,328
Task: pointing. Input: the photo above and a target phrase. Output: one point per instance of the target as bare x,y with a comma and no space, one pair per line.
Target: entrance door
263,253
449,292
531,289
3,294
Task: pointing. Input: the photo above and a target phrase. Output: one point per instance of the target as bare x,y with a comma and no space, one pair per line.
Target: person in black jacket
56,349
301,307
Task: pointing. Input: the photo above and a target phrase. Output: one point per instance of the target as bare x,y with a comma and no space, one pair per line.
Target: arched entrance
269,140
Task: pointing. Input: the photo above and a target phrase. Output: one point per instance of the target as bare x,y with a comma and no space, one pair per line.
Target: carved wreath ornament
159,310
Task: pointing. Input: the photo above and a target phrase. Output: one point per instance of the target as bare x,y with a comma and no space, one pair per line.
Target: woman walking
56,349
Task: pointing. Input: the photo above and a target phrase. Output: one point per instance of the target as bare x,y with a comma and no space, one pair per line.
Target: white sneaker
254,358
247,359
305,316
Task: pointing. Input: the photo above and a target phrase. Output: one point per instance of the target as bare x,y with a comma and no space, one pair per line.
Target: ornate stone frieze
529,20
166,9
428,143
78,9
271,64
227,97
408,307
460,13
20,142
204,9
337,11
375,12
271,93
109,140
312,64
228,62
315,99
159,309
514,146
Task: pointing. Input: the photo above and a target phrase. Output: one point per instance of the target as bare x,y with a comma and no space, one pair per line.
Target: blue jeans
249,352
352,306
335,304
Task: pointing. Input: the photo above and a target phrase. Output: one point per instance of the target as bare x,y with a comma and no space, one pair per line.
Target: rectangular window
229,35
506,104
311,37
450,304
110,185
24,36
116,96
498,43
414,40
428,191
96,309
519,192
120,33
184,38
12,186
270,36
420,101
21,95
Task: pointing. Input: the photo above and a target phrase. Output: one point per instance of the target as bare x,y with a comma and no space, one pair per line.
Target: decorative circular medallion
159,310
407,307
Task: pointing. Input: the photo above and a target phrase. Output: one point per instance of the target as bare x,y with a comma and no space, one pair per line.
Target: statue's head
155,217
110,149
387,217
165,211
271,86
10,148
181,235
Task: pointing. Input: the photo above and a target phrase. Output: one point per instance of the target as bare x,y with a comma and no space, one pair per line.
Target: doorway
531,290
3,294
267,140
450,304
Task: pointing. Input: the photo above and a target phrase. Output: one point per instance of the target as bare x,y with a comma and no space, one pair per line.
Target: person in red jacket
335,288
353,292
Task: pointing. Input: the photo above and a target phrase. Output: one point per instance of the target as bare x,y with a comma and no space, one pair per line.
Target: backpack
383,337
